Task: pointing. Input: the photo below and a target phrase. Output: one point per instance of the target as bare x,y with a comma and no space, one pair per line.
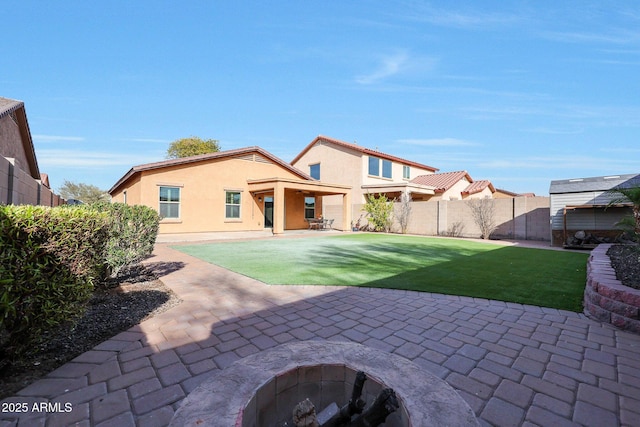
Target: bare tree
455,230
483,212
404,211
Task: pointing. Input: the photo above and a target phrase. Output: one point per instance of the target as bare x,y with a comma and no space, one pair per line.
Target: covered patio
394,190
284,193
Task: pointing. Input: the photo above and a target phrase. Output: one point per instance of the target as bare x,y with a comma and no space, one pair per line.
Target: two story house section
366,171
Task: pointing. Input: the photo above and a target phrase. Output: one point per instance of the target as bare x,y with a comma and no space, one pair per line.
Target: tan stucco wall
484,194
454,193
337,164
203,186
344,166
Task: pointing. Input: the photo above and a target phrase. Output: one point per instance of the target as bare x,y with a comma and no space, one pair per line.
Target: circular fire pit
262,389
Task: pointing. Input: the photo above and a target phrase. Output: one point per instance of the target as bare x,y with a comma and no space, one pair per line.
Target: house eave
399,188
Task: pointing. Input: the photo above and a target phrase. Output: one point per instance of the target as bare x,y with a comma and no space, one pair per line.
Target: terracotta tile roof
362,150
205,157
478,186
442,181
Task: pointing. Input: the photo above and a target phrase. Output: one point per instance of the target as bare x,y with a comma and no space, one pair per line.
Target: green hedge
50,259
132,234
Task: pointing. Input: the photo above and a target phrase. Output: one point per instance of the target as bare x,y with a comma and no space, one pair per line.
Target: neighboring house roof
442,181
44,179
478,186
17,110
512,194
598,183
205,157
7,106
362,150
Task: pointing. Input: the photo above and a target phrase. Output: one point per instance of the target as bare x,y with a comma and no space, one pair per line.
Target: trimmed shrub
50,258
132,234
380,210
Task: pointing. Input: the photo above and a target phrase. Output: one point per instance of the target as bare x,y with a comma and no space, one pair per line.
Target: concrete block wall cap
220,399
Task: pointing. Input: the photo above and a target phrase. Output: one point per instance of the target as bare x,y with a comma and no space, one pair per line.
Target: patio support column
346,211
278,208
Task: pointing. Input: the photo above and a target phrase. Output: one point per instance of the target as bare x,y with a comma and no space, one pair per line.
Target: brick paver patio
515,365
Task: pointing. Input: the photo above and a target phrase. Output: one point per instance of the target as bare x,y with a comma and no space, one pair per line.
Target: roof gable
15,109
265,156
442,181
478,186
7,106
363,150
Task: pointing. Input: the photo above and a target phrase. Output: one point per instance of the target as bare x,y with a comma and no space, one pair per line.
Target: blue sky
519,92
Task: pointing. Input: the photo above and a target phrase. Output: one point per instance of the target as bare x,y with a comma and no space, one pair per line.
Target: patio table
319,224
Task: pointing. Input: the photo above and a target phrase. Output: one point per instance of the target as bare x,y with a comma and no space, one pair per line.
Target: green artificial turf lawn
539,277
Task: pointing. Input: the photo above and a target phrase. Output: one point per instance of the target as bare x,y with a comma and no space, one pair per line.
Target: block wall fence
17,187
519,218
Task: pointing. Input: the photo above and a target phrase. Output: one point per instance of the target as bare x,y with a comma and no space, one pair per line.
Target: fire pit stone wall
249,392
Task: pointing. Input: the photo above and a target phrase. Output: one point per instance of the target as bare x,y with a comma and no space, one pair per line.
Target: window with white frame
232,205
169,202
406,172
375,170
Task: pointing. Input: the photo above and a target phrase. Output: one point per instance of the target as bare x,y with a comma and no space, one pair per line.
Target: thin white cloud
619,38
463,19
56,138
90,159
620,150
153,140
555,131
560,163
585,115
438,142
389,66
469,20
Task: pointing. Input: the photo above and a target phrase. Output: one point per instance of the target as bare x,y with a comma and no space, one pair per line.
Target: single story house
583,205
21,182
246,189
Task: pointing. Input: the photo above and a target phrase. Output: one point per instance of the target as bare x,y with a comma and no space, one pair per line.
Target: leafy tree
191,146
379,209
85,192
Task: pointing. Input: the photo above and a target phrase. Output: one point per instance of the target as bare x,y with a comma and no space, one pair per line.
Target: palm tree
626,195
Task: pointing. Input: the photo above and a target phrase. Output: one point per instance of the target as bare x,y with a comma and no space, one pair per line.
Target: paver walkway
515,365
